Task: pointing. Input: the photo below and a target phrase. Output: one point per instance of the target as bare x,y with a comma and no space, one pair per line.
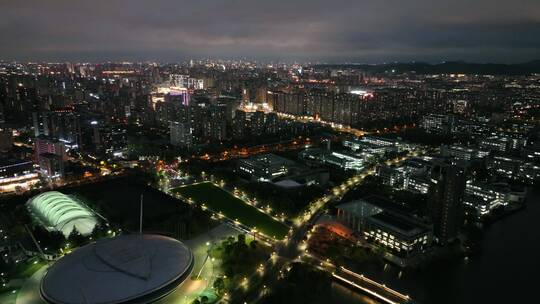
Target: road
205,269
293,247
29,293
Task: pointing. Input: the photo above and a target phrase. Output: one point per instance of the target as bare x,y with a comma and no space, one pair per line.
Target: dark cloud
338,30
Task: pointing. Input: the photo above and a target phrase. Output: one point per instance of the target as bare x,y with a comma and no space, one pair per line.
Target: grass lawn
118,200
222,201
25,270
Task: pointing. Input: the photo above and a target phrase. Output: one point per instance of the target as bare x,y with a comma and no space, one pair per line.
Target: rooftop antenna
141,216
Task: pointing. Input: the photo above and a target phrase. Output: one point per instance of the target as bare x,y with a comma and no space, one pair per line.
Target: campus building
342,160
265,167
379,222
56,211
124,269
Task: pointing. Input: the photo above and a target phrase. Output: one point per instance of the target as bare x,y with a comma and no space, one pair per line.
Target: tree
56,239
219,285
99,231
302,284
242,238
75,238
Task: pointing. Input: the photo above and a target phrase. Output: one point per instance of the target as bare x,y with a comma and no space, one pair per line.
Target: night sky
371,31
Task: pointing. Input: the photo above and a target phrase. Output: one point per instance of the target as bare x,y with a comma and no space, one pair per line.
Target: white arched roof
62,213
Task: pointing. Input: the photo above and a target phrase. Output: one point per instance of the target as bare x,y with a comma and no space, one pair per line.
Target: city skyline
268,152
342,31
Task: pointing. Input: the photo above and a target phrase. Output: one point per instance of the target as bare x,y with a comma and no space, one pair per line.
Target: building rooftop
372,202
124,269
60,212
402,224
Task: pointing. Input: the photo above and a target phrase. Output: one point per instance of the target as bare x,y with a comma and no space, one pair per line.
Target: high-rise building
239,124
44,145
181,134
246,96
178,80
184,81
435,123
272,123
261,95
41,124
6,139
178,96
60,125
257,123
215,123
2,116
231,103
96,135
52,165
446,200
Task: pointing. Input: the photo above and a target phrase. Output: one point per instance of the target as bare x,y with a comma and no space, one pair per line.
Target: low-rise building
56,211
376,145
529,173
495,143
300,177
17,173
265,167
514,168
418,183
391,176
484,198
380,223
463,153
343,160
531,153
399,234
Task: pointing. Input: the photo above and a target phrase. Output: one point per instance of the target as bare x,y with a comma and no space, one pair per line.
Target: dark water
506,271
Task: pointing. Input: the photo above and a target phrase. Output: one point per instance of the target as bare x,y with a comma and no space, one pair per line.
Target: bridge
370,287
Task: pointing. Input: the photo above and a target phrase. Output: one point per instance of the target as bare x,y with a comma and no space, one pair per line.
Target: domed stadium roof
57,211
124,269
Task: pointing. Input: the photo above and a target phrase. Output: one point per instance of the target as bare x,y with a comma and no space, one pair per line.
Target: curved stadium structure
132,269
59,212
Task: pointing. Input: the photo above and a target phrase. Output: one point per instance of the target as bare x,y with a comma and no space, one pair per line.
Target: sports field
234,208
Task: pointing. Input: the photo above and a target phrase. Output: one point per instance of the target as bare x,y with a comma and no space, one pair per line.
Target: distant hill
449,67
